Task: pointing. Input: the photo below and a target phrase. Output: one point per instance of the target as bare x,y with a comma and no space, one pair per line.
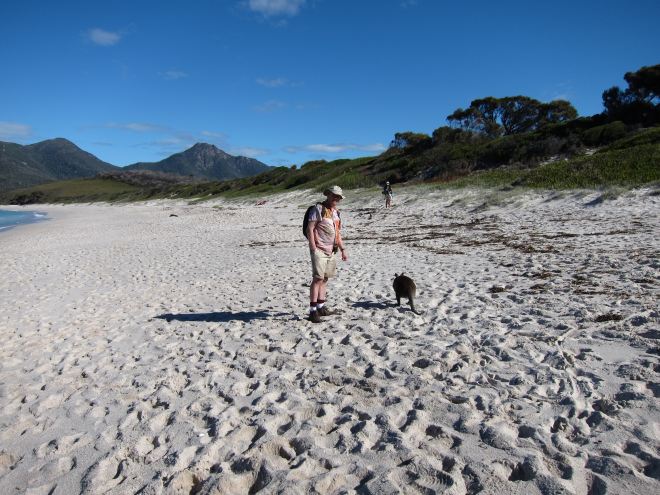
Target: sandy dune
151,353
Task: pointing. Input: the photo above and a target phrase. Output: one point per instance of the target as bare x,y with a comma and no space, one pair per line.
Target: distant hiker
387,191
324,237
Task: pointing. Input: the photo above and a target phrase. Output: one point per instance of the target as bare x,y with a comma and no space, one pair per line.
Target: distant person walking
324,237
387,191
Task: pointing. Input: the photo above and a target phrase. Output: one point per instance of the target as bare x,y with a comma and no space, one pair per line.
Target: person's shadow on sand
380,305
373,305
220,316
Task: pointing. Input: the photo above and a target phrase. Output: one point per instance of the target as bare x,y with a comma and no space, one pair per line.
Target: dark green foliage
604,134
451,135
518,114
481,117
146,178
640,102
629,167
554,112
636,138
314,163
411,141
645,83
33,197
495,117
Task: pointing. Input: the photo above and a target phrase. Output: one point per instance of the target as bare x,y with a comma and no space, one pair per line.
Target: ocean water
9,219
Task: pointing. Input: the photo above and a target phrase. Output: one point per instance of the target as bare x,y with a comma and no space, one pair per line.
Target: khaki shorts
323,265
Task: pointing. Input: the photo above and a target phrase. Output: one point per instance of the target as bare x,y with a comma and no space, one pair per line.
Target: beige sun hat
336,190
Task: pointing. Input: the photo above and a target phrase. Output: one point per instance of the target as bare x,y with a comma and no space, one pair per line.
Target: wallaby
405,287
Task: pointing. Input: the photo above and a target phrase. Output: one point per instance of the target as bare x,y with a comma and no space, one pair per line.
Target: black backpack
306,218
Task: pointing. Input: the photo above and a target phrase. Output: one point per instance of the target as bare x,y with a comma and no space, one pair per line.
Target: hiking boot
325,311
314,317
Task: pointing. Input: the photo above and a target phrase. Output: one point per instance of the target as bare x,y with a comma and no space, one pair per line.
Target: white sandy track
150,353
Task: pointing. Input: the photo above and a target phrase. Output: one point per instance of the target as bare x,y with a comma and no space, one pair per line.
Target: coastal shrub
604,134
411,140
630,167
637,138
28,198
349,180
450,135
313,163
499,151
297,180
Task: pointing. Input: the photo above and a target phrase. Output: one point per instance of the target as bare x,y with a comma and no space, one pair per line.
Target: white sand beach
149,353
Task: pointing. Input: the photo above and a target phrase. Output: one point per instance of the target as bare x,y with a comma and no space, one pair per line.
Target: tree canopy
406,140
495,117
640,102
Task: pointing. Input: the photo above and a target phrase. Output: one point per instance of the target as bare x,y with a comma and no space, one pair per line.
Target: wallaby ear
395,275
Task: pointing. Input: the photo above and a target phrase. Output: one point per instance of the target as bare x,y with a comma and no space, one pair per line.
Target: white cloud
173,74
327,148
336,148
270,106
102,37
136,127
273,8
166,140
247,151
272,83
13,130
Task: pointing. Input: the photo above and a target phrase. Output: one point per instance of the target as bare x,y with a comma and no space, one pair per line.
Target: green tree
645,83
640,102
451,135
493,117
481,116
556,111
518,114
408,140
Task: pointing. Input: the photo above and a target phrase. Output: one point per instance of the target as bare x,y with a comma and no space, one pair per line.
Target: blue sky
287,81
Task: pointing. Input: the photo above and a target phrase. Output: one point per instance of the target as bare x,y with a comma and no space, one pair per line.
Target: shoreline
15,218
163,346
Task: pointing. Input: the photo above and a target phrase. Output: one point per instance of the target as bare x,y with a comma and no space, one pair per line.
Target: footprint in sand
53,469
420,477
62,445
7,462
650,463
105,474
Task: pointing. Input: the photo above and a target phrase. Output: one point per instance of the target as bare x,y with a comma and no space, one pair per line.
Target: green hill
631,161
46,161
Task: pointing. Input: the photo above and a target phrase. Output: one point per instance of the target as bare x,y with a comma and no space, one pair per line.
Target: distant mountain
46,161
205,161
60,159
